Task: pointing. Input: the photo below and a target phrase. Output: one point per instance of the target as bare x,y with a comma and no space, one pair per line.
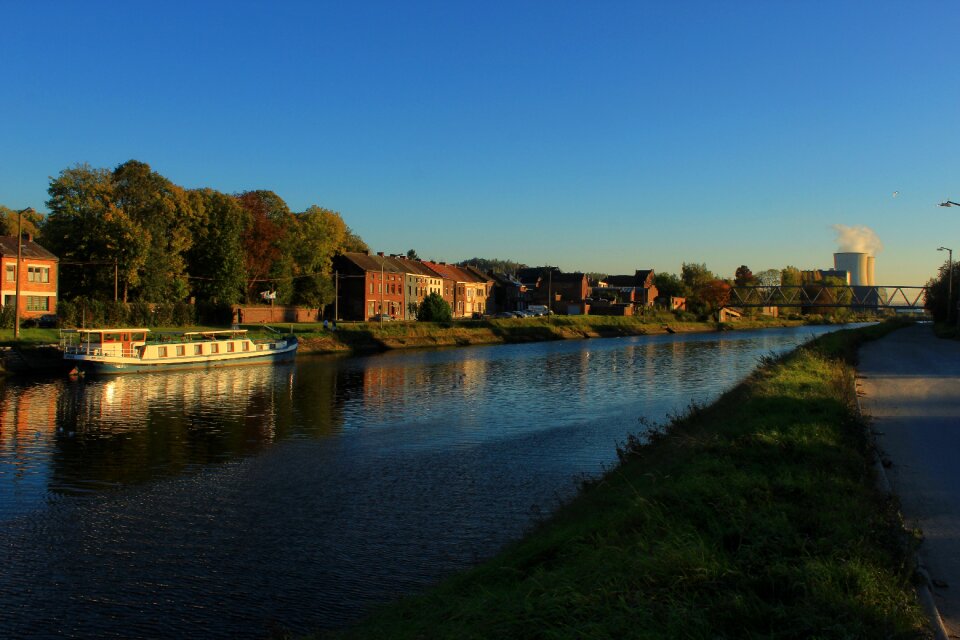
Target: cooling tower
856,265
871,265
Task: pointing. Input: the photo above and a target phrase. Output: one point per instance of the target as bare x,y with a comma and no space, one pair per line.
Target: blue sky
598,136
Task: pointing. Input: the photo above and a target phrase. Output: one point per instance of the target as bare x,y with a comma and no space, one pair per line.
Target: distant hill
493,264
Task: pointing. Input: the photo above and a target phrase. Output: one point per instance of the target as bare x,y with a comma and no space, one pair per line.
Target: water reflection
228,501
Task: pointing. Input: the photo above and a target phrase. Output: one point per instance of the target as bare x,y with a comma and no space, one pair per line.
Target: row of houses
370,286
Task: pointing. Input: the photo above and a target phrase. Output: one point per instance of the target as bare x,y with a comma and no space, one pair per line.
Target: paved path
911,387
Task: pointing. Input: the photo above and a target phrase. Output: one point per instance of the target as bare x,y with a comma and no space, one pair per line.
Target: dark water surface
234,502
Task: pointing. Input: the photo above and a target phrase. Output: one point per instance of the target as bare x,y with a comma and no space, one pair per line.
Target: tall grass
756,517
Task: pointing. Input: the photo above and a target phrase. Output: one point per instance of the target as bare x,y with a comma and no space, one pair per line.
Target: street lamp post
949,281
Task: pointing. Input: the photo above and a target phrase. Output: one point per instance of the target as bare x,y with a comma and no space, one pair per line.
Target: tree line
164,243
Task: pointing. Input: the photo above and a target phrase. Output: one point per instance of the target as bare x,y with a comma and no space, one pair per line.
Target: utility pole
16,302
550,291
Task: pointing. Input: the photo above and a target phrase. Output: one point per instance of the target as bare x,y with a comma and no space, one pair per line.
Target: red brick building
369,285
38,273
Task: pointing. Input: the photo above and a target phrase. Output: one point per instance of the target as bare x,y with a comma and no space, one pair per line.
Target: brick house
508,293
38,273
369,285
465,289
420,281
639,289
565,289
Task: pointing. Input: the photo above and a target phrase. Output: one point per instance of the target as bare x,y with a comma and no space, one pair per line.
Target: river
238,502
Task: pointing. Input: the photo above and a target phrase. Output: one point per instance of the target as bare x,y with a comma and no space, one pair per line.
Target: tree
669,285
434,309
317,236
744,277
695,275
412,255
768,278
85,225
790,276
938,290
493,265
267,214
161,212
715,293
9,222
217,255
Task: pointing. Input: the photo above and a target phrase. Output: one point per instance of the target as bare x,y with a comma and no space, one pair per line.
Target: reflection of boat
129,351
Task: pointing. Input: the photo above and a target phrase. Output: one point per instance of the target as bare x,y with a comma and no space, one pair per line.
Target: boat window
231,346
110,337
246,346
198,349
162,352
181,350
138,337
214,348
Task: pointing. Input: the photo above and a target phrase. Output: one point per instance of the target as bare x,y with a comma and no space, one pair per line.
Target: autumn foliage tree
171,244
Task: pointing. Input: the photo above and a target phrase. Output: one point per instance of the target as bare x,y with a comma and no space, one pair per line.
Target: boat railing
91,350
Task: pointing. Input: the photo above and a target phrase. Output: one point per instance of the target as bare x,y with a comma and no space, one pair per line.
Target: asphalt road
910,384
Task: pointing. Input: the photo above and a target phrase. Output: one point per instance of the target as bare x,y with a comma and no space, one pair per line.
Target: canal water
245,501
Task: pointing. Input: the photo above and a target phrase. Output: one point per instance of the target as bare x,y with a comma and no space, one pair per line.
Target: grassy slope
370,336
755,517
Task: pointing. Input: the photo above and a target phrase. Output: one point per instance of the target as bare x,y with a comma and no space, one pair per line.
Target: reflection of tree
130,429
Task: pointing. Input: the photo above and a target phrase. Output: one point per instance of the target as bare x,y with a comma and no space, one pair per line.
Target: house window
371,311
38,303
11,273
38,274
8,300
371,286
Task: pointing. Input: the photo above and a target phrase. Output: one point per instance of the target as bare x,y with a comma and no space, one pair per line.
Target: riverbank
366,337
756,516
35,351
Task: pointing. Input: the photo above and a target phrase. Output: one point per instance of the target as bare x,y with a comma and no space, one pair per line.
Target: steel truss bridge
834,296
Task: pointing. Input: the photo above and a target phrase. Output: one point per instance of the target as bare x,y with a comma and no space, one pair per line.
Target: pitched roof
479,276
367,262
28,249
452,272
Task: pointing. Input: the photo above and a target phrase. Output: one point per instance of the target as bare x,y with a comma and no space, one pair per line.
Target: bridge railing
817,295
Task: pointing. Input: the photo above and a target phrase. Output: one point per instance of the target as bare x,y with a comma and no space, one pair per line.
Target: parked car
381,318
47,321
504,314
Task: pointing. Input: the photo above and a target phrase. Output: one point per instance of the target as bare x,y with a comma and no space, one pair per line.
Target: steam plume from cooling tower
859,239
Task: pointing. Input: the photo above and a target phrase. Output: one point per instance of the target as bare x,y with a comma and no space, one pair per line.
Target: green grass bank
755,517
362,337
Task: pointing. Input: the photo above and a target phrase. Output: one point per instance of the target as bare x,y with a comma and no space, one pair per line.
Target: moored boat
125,350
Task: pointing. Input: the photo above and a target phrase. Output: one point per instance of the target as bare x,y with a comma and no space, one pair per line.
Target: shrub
139,314
434,309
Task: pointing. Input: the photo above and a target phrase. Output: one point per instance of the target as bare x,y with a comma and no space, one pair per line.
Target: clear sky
597,136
